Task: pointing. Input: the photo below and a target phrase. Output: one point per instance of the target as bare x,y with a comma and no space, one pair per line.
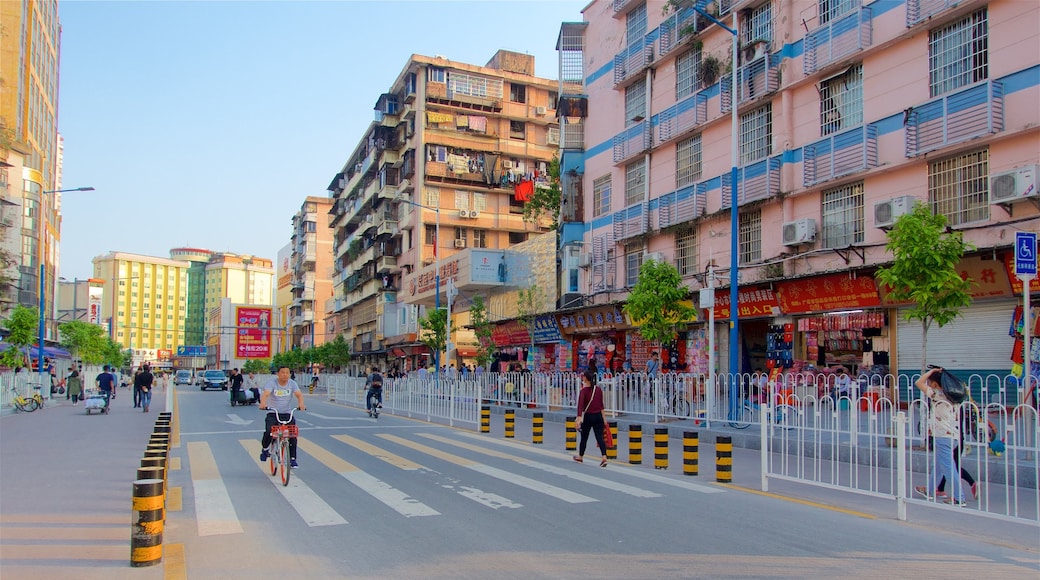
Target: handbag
608,435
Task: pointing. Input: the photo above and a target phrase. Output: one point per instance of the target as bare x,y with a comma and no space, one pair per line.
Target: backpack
953,388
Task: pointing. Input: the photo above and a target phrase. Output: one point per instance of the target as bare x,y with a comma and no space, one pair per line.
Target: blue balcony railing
677,29
840,154
837,39
682,117
632,141
920,10
633,60
760,180
755,79
966,114
631,221
682,205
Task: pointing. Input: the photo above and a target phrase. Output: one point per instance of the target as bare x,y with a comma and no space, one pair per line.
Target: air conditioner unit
539,111
463,213
460,243
799,232
428,261
887,212
474,214
507,164
585,261
1014,185
655,256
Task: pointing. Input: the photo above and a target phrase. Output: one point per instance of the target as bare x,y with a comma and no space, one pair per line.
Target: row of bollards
691,443
149,497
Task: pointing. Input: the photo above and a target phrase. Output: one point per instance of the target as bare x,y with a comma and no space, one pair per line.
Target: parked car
214,380
183,377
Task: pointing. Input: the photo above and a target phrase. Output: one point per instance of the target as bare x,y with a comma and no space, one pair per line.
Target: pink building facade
849,112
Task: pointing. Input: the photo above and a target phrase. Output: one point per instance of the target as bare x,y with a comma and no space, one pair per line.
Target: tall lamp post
43,299
734,228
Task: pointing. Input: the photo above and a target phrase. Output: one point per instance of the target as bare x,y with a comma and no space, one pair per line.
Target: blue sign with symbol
1025,253
191,351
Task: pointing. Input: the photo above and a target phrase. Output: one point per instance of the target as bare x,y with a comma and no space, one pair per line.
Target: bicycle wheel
743,418
283,457
786,416
272,459
682,408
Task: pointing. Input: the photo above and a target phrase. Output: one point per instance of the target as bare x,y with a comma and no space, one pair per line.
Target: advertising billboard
253,336
94,294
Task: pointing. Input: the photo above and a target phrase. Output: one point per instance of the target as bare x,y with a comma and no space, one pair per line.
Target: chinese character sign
253,332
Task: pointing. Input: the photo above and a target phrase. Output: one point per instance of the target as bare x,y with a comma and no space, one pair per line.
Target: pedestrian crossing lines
314,510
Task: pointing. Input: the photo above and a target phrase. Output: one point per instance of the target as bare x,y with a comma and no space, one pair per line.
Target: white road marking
491,500
395,499
532,484
314,510
214,512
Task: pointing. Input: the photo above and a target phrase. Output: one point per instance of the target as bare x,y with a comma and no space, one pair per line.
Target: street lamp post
43,299
734,229
436,266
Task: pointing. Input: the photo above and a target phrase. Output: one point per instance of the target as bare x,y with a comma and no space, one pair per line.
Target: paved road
406,499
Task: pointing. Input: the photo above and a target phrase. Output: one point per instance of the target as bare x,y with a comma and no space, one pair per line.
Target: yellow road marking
203,465
174,567
250,446
395,460
799,501
175,463
174,499
429,450
331,461
470,447
175,422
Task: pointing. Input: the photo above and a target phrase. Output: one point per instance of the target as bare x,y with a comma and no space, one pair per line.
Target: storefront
512,341
756,308
547,338
597,333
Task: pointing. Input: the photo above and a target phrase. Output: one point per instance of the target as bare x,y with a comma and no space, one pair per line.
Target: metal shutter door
976,341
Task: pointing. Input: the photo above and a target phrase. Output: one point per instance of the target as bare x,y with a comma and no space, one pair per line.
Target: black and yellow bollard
147,525
635,444
723,459
690,453
161,427
537,428
510,423
661,448
612,450
571,438
485,419
153,472
155,462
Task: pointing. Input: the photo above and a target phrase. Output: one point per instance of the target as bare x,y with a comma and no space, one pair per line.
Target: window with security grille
686,251
843,216
601,196
635,24
517,93
958,53
460,234
461,199
430,235
756,134
480,201
633,261
958,188
829,10
432,197
635,102
686,66
760,25
480,238
688,161
635,182
750,236
841,101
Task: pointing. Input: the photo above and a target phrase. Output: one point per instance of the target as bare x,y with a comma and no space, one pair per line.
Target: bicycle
784,415
675,404
24,404
376,396
278,450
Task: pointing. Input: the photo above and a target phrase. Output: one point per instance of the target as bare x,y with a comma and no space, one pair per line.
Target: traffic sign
194,351
1025,253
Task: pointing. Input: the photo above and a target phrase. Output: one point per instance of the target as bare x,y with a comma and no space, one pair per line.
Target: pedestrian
945,429
591,416
143,382
106,382
965,474
74,386
235,384
137,389
253,384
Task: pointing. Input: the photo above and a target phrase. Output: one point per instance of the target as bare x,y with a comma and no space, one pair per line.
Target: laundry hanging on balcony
523,191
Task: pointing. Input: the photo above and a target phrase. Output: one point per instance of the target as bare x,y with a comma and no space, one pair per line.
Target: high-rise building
311,267
195,315
847,114
283,295
441,176
29,49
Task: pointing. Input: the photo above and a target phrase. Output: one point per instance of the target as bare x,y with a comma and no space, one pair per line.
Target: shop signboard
546,331
253,336
511,333
830,292
1016,282
989,280
94,296
592,320
752,302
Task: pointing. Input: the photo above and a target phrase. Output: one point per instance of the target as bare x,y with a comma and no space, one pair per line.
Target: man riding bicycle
277,399
375,391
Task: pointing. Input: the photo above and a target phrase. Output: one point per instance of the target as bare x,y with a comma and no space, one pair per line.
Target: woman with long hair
590,416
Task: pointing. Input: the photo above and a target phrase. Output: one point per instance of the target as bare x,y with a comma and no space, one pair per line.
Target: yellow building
241,278
145,299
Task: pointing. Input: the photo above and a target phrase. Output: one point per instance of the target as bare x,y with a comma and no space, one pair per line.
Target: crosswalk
501,475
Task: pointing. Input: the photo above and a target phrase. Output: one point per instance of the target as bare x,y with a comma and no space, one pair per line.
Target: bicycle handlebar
276,414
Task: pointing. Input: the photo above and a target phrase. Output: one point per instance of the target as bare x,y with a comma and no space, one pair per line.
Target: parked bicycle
784,415
673,403
27,404
278,450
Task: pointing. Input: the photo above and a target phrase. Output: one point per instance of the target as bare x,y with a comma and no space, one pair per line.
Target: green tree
482,328
657,302
434,328
546,200
87,342
530,302
337,353
23,325
924,271
257,365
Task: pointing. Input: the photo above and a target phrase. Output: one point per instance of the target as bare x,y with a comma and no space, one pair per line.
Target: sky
206,124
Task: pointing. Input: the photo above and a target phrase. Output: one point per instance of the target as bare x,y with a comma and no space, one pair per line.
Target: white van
183,377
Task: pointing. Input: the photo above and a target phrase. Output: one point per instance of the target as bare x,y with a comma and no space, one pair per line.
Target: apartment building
848,112
283,294
436,185
311,273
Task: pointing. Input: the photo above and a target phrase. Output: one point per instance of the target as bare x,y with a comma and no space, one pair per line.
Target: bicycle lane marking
589,479
314,510
214,512
516,479
393,498
485,498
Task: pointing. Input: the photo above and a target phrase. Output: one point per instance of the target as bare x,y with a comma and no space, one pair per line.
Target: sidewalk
66,481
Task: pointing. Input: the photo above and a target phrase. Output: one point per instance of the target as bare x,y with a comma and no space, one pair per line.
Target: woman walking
590,416
74,384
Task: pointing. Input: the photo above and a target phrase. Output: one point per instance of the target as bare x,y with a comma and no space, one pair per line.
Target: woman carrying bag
590,416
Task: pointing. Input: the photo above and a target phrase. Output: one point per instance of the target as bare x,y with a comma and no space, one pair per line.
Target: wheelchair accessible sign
1025,254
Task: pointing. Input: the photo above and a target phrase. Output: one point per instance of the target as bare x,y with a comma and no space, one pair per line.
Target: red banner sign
253,338
511,333
752,302
1016,282
831,292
